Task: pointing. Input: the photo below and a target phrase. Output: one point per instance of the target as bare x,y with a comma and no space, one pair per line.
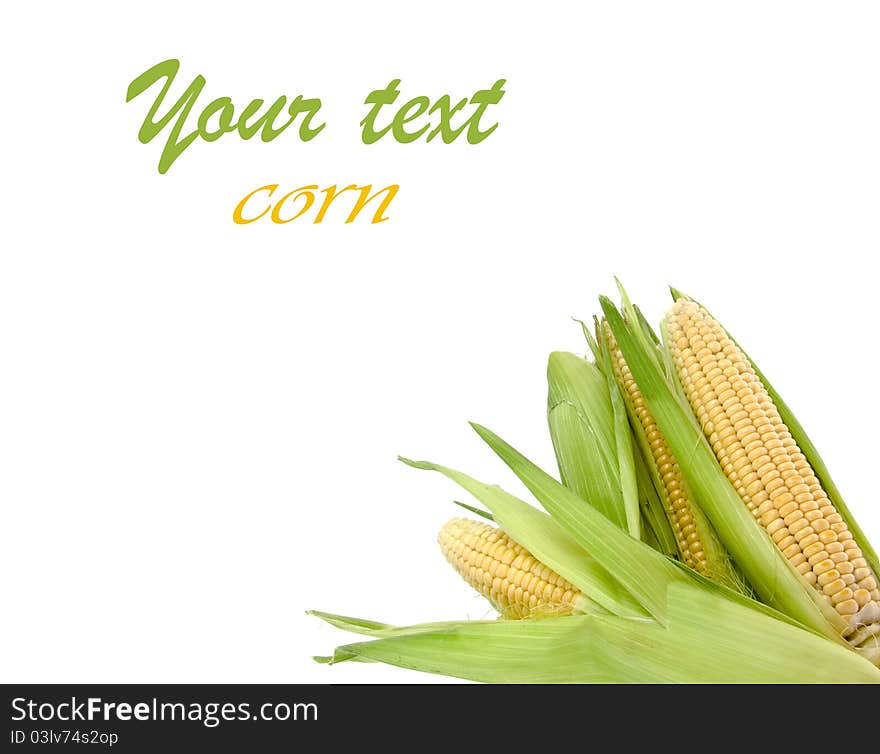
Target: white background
199,421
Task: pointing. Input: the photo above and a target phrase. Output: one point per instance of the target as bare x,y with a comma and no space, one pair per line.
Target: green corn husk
709,639
644,617
548,542
643,571
655,530
593,449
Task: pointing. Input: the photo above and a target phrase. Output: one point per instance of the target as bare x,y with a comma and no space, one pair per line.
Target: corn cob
508,575
673,493
769,472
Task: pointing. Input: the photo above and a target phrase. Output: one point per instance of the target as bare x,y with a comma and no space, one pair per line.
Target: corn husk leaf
644,572
582,427
709,639
547,541
626,464
581,465
656,530
473,509
654,516
626,455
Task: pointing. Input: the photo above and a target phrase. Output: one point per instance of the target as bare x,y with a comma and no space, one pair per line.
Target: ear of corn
643,572
516,583
759,456
751,545
696,541
549,542
813,458
655,528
